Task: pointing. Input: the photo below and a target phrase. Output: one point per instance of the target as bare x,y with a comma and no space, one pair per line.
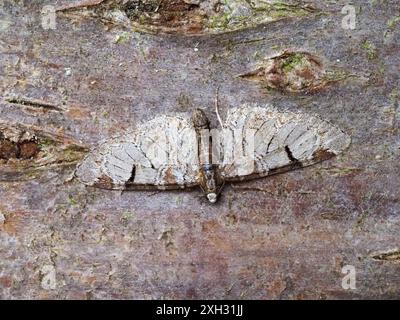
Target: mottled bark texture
65,90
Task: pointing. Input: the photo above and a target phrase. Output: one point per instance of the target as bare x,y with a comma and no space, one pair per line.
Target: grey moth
176,152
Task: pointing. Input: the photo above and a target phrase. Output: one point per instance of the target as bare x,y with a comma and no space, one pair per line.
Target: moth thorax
200,120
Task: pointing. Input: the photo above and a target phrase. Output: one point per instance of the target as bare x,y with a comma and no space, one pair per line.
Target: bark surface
65,90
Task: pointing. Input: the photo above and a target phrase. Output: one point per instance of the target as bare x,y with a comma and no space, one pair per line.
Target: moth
180,151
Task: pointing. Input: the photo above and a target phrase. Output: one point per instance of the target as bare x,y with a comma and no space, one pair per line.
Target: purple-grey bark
283,237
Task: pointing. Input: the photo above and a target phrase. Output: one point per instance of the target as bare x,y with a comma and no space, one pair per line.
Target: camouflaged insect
174,152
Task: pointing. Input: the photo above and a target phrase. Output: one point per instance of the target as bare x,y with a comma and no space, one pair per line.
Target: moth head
212,197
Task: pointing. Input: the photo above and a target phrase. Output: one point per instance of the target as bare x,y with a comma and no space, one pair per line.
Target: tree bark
67,89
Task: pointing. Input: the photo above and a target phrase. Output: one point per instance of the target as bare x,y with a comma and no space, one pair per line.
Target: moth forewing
283,141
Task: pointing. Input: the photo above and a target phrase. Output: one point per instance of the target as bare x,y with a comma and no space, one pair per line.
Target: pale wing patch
120,161
89,169
161,153
282,141
170,144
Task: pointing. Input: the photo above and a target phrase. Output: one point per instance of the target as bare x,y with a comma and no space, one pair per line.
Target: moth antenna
217,108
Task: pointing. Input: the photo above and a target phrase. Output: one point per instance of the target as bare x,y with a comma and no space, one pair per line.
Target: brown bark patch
28,149
170,176
18,150
105,182
5,282
169,14
293,72
8,150
322,154
11,224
